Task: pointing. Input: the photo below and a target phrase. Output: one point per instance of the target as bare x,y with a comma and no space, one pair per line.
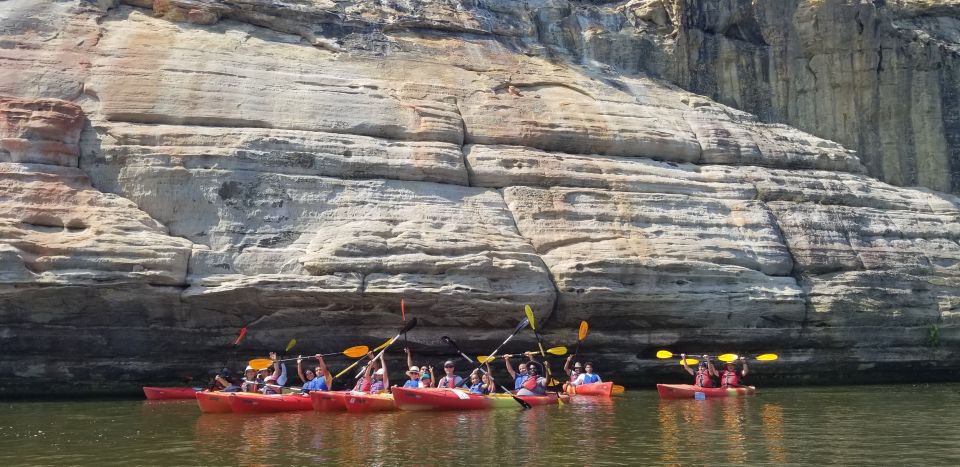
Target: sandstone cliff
173,170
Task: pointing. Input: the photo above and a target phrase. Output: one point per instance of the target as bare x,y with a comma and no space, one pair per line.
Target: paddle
523,323
581,335
353,352
767,357
406,327
236,345
453,344
530,317
558,351
359,359
618,389
403,316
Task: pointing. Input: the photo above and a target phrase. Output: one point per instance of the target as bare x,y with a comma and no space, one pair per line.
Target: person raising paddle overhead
317,379
730,378
518,378
534,385
704,374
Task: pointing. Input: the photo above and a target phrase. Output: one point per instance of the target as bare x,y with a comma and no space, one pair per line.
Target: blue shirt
477,388
518,381
412,383
315,384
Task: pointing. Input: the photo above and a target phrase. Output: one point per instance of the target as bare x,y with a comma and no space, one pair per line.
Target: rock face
191,167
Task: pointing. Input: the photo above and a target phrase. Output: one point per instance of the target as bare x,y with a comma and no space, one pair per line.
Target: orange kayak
166,394
358,402
329,401
689,391
249,402
595,389
214,402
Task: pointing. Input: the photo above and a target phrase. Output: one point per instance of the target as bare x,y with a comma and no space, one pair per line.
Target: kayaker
449,380
518,378
704,374
730,378
572,373
489,386
250,381
475,382
381,381
363,384
273,384
414,374
588,376
426,380
534,385
316,379
226,382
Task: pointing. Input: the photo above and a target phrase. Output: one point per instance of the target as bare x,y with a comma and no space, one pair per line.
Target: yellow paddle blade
618,389
529,312
381,346
767,357
664,354
728,357
558,351
690,361
290,345
553,382
260,363
356,351
582,334
484,358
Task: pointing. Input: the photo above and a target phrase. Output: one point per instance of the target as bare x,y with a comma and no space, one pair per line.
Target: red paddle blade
403,311
243,332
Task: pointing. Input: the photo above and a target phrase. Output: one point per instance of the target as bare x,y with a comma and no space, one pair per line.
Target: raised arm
683,361
743,373
506,361
710,368
386,377
324,372
303,379
566,365
276,366
409,357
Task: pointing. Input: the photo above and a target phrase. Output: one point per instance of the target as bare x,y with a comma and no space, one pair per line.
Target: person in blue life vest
450,380
518,376
317,379
730,377
703,377
482,383
588,376
415,381
534,385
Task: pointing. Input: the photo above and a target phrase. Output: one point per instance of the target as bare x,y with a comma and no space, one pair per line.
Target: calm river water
892,425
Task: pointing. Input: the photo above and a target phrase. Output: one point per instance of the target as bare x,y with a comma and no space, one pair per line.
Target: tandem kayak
689,391
249,402
595,389
166,394
214,402
448,399
359,402
329,401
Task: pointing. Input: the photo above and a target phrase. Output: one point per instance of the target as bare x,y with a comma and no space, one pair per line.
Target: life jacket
589,378
519,380
533,385
703,379
448,382
729,378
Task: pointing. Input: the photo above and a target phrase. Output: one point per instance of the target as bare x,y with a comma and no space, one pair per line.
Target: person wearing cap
730,378
588,376
380,381
226,382
250,380
314,380
518,377
426,380
703,377
414,381
534,385
449,380
572,373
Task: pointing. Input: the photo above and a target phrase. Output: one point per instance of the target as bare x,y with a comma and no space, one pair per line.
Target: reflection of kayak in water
247,402
359,402
214,402
169,394
595,389
689,391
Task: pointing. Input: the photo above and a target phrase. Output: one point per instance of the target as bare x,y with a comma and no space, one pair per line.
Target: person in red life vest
364,383
730,378
572,373
703,377
534,385
449,380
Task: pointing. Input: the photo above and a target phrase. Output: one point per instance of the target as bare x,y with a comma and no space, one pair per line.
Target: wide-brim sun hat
413,370
379,372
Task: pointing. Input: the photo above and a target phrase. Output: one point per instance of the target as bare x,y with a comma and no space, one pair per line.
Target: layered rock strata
299,167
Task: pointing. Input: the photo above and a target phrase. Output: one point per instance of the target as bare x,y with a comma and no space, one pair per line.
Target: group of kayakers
528,379
704,376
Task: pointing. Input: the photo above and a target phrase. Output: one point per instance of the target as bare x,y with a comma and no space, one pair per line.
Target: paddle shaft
516,330
520,401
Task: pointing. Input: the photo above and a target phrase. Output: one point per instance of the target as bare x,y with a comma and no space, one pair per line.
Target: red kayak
458,399
167,394
595,389
689,391
214,402
250,402
329,401
358,402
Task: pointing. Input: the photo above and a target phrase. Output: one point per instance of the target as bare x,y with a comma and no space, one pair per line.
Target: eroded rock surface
299,167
